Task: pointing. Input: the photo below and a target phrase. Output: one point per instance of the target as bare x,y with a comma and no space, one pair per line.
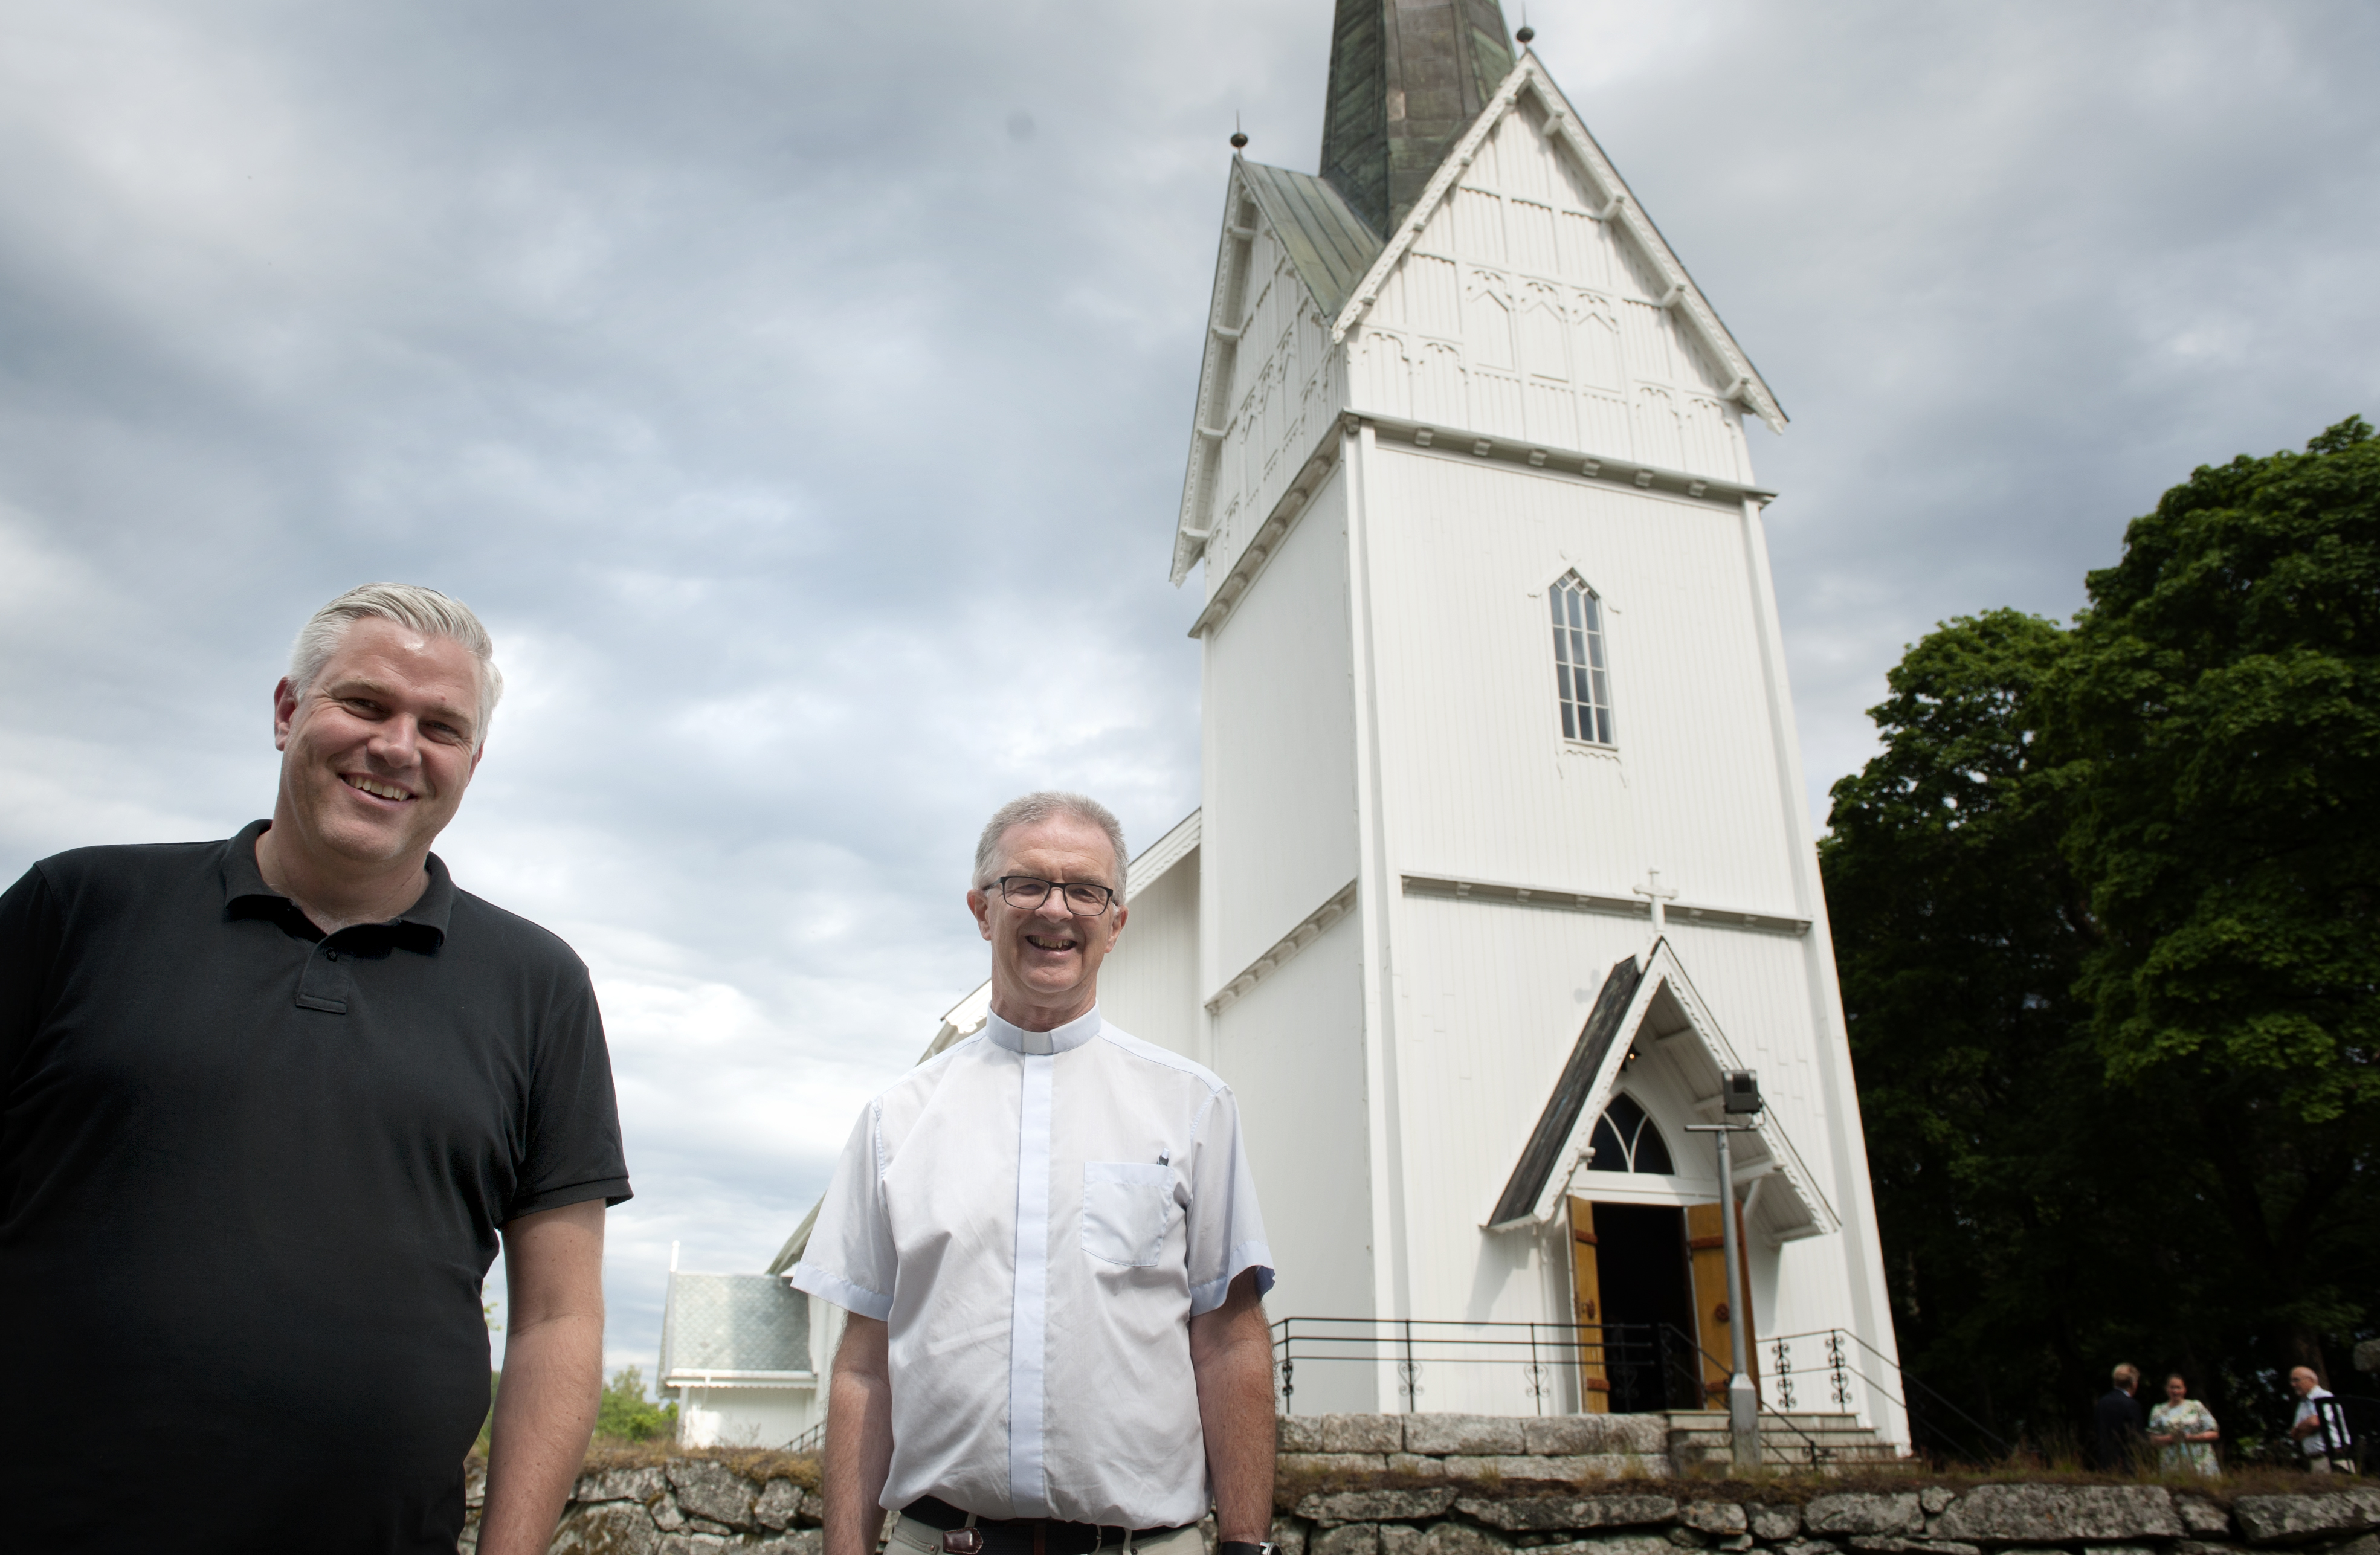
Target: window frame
1632,1146
1576,612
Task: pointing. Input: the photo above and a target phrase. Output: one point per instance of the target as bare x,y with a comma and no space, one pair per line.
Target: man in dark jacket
2118,1422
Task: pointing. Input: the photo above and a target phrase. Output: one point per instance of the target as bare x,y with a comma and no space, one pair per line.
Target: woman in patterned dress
2184,1432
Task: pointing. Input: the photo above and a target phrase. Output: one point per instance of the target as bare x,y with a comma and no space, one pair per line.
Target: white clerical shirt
1036,1216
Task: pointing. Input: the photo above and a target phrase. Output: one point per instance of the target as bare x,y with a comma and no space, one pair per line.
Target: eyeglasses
1083,898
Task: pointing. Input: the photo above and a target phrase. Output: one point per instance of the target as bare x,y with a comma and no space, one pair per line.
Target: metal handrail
1817,1455
1834,1338
1412,1344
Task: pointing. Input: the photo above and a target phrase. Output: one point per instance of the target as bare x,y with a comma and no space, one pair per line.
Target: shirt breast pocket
1124,1210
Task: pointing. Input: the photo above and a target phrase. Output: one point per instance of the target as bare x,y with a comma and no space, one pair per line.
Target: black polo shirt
250,1179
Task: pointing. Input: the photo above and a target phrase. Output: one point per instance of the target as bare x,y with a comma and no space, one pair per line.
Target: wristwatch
1242,1546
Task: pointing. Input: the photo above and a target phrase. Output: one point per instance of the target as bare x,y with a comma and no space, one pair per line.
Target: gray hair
1046,804
408,604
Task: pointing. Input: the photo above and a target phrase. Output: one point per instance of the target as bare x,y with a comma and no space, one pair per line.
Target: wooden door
1586,1299
1714,1314
1707,1253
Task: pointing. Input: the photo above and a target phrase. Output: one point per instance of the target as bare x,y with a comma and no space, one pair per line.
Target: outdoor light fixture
1739,1099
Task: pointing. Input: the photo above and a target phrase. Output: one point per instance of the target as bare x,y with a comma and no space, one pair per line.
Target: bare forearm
1231,1353
859,1441
545,1412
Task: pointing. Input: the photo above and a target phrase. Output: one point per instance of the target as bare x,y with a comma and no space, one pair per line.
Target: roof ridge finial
1527,34
1239,137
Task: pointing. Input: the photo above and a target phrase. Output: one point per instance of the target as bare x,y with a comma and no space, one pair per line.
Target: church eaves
1407,78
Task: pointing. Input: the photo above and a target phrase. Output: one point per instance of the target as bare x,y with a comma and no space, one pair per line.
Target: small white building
736,1356
1503,858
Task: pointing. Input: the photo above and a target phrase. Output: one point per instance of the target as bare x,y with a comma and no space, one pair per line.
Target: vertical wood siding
1483,785
1293,1049
1148,985
1281,743
1287,383
1606,368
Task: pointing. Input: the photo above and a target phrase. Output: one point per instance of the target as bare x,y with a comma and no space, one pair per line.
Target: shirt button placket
325,984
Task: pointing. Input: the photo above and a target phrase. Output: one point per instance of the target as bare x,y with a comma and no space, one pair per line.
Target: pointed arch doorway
1648,1282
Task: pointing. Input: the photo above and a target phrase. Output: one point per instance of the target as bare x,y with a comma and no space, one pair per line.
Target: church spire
1407,78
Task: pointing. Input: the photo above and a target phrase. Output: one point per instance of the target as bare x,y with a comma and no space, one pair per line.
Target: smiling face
1045,962
2176,1389
375,756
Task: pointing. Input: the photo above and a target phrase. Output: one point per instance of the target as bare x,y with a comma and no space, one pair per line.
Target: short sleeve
850,1260
1226,1228
572,1150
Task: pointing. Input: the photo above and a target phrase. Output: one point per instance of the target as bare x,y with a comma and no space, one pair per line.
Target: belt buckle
963,1541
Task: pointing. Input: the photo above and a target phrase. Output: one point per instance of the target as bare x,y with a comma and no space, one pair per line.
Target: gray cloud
801,394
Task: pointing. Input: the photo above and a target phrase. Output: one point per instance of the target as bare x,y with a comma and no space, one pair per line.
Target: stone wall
1473,1448
678,1507
1650,1518
1468,1485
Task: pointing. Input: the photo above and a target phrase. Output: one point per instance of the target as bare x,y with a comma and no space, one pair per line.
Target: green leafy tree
2222,705
2103,911
627,1414
1959,931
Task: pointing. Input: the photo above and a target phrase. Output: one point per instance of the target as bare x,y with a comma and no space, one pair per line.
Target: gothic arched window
1581,683
1625,1140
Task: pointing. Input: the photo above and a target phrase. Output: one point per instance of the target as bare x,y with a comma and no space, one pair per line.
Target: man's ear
1116,927
284,712
980,905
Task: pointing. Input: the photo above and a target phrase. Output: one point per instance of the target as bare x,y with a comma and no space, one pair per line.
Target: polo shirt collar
1016,1040
420,926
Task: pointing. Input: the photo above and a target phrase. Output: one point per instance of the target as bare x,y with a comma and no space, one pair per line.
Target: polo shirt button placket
324,984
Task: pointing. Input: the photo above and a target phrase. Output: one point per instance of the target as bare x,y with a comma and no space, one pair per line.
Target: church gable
1527,299
1269,384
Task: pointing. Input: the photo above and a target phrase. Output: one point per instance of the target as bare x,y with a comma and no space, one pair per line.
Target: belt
1026,1536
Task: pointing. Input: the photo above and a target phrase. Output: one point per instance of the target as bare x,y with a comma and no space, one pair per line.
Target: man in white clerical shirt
1049,1243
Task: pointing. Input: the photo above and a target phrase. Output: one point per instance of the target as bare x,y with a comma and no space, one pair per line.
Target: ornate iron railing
1936,1425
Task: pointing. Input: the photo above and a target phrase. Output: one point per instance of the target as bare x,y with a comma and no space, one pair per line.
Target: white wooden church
1503,858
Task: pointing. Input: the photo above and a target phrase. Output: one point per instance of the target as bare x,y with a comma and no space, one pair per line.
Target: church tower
1503,858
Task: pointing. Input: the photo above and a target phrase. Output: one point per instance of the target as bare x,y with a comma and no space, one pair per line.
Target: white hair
1046,804
408,604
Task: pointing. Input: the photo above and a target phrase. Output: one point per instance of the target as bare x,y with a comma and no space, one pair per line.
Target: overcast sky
756,369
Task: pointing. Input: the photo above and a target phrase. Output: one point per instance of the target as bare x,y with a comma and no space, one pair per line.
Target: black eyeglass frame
1006,882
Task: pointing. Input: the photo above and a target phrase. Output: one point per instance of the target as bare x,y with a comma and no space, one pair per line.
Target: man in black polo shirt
266,1106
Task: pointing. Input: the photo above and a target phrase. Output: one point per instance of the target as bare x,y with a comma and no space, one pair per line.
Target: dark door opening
1640,1257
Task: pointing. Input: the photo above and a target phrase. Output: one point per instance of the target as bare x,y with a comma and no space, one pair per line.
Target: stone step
1704,1436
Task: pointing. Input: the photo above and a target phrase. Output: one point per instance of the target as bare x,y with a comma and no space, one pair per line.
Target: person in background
269,1106
2183,1431
2307,1428
2117,1422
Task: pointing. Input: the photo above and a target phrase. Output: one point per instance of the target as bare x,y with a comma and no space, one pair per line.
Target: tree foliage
627,1414
2103,912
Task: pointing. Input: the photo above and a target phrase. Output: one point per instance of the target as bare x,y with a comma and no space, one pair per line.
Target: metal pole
1742,1403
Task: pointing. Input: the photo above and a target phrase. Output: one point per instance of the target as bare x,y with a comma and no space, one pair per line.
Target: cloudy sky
757,370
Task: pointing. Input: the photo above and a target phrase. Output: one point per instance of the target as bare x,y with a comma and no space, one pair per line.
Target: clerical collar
1016,1040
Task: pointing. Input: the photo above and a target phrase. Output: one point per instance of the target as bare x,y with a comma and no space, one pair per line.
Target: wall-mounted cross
1651,891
